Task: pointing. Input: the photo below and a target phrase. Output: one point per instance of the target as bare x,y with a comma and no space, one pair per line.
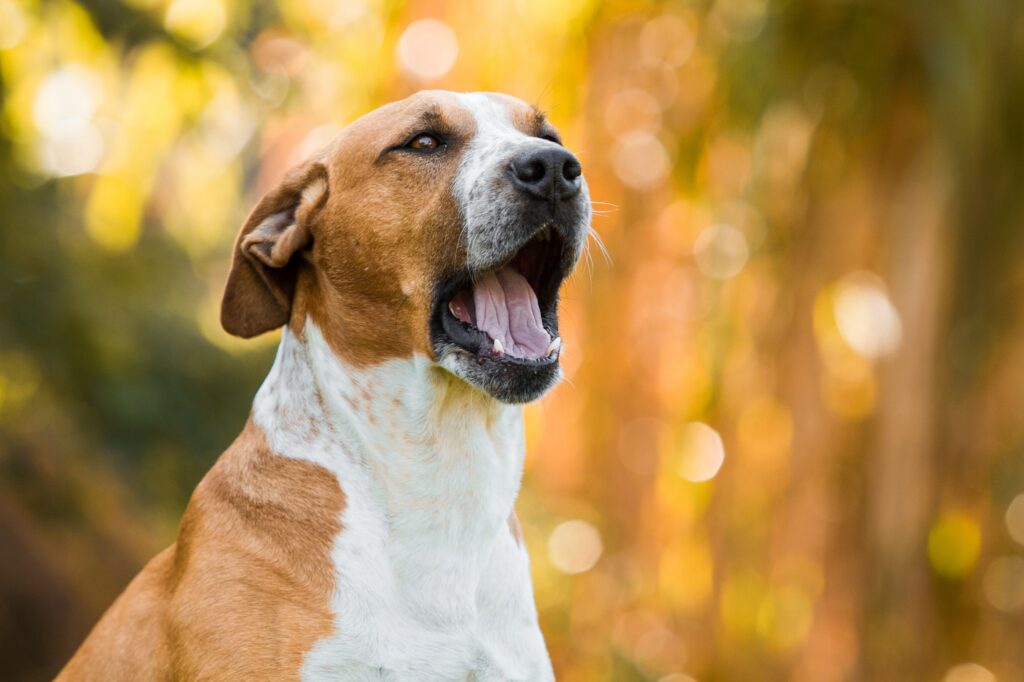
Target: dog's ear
260,286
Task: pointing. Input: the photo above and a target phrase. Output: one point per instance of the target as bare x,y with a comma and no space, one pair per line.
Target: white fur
431,584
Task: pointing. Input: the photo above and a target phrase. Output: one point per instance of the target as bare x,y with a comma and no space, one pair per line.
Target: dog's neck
434,461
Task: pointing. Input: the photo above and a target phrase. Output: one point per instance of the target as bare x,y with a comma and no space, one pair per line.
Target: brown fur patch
529,120
389,232
244,593
526,119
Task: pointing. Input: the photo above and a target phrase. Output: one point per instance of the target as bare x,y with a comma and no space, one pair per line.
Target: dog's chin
503,379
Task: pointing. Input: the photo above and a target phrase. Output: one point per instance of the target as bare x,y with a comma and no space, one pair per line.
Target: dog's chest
401,619
431,585
424,592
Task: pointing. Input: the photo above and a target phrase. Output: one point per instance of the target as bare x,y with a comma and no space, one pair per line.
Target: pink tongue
507,309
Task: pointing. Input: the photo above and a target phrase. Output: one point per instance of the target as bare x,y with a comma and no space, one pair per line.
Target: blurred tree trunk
899,628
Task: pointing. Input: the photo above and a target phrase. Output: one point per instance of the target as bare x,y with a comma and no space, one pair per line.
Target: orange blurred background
791,443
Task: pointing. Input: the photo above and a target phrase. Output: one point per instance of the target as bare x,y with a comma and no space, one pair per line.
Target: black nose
551,173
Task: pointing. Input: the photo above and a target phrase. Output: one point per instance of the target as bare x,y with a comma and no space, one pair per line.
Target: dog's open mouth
509,312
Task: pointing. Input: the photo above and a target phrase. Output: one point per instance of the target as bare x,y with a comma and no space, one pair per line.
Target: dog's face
442,224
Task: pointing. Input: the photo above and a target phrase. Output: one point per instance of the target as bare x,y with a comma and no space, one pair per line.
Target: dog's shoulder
245,591
253,564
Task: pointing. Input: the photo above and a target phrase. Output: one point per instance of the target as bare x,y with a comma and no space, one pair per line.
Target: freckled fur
432,582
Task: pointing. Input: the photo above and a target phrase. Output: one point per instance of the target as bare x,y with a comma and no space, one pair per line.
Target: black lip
463,335
546,267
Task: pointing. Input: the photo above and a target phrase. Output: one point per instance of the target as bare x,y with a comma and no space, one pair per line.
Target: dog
361,526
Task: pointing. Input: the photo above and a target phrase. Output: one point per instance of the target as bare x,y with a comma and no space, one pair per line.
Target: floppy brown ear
260,286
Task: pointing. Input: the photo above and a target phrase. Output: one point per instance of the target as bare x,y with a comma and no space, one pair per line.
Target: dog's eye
424,141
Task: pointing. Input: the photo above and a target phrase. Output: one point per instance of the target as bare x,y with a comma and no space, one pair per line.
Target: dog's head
442,225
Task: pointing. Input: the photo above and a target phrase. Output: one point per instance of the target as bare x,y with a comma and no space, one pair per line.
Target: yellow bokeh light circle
197,22
1015,519
574,546
866,317
953,545
427,49
701,452
968,672
1004,584
13,25
640,160
721,251
64,111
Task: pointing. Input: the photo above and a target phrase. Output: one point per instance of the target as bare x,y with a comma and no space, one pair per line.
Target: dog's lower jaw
430,579
513,390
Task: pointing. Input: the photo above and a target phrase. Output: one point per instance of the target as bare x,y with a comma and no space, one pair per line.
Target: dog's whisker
593,234
589,265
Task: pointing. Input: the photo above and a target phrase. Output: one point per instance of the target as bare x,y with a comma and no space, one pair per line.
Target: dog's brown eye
424,141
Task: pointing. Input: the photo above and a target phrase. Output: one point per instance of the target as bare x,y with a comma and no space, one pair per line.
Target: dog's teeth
498,348
554,347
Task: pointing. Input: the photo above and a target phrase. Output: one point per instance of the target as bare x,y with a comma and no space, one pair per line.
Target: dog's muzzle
496,323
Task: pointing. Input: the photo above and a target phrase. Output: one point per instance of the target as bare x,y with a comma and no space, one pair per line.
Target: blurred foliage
791,446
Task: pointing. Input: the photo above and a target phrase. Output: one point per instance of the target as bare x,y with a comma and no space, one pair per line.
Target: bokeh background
791,446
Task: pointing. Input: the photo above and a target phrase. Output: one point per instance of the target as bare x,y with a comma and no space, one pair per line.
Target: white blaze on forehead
493,119
494,139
